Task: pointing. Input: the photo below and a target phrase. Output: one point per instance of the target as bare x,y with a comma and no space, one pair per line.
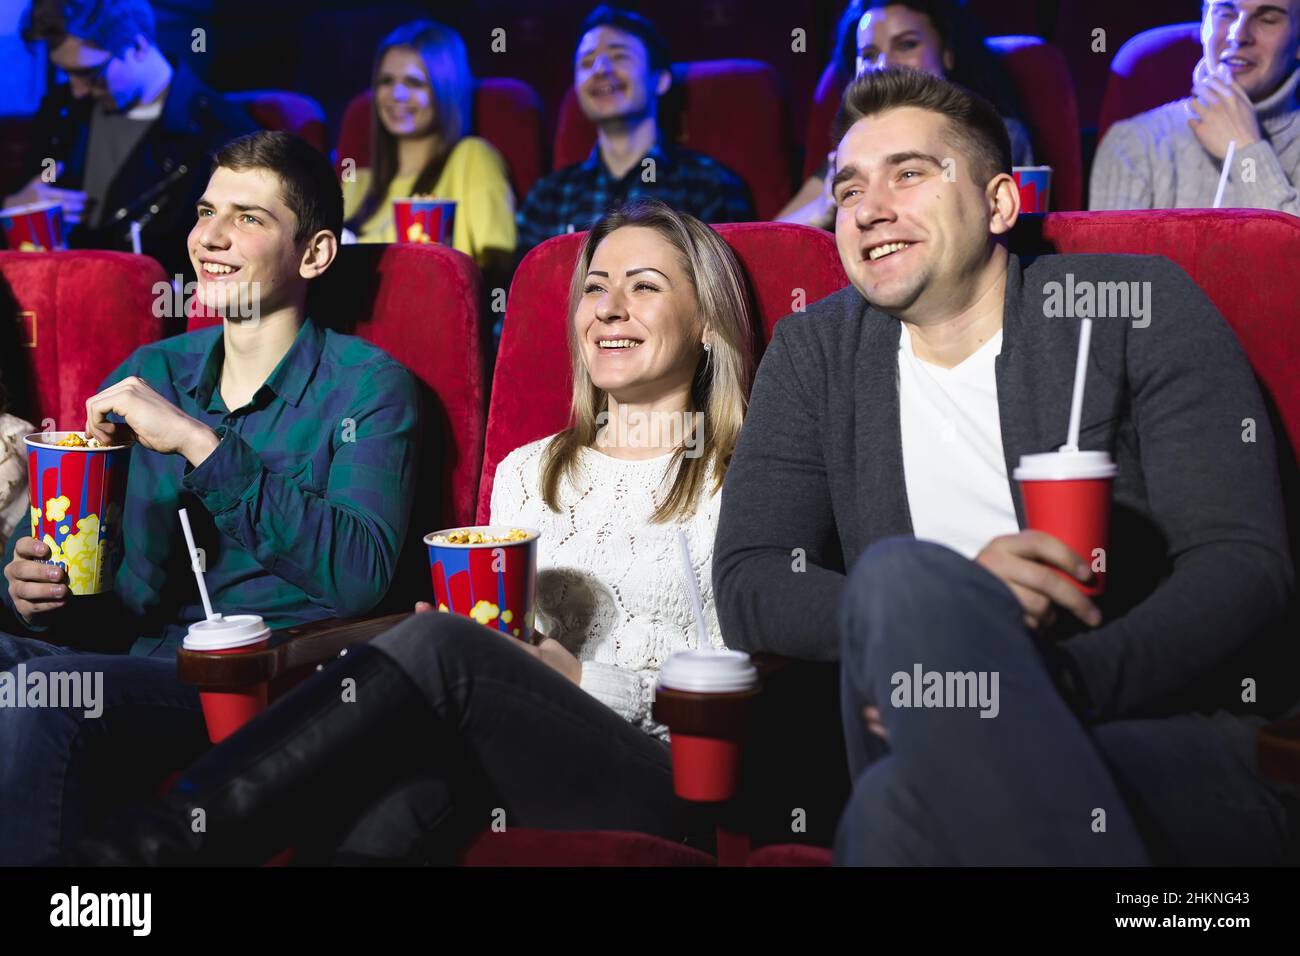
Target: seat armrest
1278,749
295,648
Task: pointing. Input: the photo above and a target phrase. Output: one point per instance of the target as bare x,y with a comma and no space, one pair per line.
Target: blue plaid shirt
573,198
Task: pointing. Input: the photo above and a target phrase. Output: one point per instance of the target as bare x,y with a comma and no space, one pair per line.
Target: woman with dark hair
934,36
420,120
451,726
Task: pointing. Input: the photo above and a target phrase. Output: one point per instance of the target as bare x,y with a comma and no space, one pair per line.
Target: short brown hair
308,185
976,128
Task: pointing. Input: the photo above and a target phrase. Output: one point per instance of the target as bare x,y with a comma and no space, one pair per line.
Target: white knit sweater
610,584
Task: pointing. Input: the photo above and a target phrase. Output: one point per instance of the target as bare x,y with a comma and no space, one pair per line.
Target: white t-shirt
953,464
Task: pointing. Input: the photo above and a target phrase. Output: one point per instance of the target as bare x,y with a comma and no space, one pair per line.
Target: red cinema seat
1076,35
1153,68
419,303
287,112
80,314
732,110
507,113
1046,93
1233,255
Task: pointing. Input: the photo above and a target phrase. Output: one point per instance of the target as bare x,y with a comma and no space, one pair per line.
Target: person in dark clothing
882,434
129,138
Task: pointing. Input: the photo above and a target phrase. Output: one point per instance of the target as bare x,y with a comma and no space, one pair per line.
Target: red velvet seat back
80,314
288,112
1075,35
419,303
1153,68
1239,258
1046,93
787,265
732,110
507,113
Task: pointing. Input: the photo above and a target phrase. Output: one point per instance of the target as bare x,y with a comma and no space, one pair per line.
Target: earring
707,346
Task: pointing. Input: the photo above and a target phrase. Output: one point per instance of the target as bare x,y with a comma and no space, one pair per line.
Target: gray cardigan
1198,566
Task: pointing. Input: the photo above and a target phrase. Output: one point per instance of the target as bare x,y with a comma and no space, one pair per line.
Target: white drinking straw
1080,373
1223,176
692,590
198,571
135,238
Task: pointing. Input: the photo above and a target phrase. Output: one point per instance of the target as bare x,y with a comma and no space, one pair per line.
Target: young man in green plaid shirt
294,450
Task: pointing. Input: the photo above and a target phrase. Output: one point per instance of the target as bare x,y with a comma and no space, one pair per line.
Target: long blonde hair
720,389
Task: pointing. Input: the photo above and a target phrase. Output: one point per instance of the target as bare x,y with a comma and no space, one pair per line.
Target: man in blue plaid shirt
621,70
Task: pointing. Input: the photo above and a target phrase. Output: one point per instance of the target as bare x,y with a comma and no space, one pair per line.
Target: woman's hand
548,650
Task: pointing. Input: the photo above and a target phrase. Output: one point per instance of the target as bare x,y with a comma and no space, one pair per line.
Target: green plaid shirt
300,512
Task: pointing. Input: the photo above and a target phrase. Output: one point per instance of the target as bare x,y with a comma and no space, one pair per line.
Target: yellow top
474,177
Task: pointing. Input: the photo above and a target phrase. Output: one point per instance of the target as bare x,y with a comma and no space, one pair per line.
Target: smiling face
113,82
1258,40
898,36
245,234
637,324
911,241
612,76
403,95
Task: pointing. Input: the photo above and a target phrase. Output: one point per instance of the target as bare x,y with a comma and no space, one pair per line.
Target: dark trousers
63,769
1032,785
512,743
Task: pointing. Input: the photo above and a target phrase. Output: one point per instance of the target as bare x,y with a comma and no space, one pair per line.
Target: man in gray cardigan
1243,91
882,430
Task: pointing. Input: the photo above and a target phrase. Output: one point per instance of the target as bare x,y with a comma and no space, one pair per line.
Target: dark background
324,48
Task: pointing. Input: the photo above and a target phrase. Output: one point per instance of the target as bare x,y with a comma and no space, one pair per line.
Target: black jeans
513,744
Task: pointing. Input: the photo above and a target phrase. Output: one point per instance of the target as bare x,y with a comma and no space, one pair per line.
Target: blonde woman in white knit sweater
445,727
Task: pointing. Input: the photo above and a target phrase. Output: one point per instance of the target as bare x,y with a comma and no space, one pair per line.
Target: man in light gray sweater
881,436
1244,90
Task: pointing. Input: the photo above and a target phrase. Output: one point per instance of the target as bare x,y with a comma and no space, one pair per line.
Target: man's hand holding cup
1024,562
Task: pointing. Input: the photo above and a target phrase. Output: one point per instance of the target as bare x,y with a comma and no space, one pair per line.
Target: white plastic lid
222,633
1065,466
716,672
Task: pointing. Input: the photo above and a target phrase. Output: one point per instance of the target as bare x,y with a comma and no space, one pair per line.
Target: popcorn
73,440
479,537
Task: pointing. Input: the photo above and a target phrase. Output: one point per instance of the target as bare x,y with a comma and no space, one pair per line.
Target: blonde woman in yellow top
423,91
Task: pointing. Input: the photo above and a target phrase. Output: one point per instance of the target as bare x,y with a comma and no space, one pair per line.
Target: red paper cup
76,495
1067,495
34,228
494,582
703,697
227,710
1035,184
705,769
424,220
